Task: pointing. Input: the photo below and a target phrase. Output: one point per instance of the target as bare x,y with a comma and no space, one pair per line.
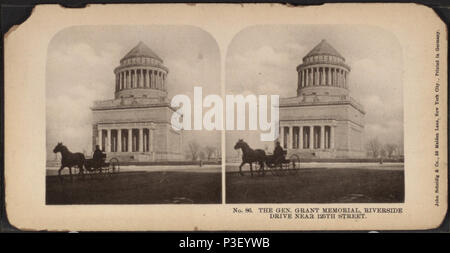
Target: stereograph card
213,117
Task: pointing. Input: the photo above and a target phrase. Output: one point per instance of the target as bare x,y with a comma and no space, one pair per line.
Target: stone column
336,77
151,139
119,140
291,137
141,83
141,139
299,83
136,84
309,77
327,76
311,137
99,139
306,78
154,80
150,80
322,78
316,76
146,79
108,140
128,79
300,137
332,72
331,137
340,78
282,136
131,79
120,80
164,81
144,142
130,139
117,82
322,137
302,83
345,79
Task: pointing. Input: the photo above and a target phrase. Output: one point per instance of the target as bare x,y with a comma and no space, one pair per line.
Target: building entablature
303,101
308,122
126,125
323,64
105,106
134,66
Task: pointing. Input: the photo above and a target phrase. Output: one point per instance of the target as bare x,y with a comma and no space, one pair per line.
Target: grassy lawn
137,188
318,186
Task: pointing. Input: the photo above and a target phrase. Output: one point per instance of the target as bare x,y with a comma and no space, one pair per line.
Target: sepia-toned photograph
109,135
340,115
226,117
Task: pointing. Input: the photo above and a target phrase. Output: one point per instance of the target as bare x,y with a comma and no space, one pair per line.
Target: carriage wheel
294,165
114,166
277,169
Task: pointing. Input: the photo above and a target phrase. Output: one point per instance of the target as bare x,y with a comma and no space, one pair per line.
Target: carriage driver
278,152
98,156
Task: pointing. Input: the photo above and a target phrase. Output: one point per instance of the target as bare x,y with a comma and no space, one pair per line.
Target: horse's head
240,144
58,148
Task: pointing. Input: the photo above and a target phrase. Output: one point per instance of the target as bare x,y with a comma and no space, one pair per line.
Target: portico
318,136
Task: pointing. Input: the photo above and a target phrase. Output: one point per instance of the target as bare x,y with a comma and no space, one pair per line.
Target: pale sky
263,60
80,68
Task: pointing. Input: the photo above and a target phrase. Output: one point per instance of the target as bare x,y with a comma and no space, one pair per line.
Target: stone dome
324,48
141,74
141,50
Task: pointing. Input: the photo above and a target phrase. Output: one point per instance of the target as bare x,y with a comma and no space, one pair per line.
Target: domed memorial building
323,120
136,124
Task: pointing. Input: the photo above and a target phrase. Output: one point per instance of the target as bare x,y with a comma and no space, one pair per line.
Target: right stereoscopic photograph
337,93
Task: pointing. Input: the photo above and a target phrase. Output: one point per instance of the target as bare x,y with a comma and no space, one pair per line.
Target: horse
250,156
69,159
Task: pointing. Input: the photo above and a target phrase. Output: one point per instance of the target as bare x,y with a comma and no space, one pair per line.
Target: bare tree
218,153
374,147
201,155
390,149
210,151
194,149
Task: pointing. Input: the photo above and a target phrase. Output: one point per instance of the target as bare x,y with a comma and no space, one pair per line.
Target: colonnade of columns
125,139
322,76
140,78
307,137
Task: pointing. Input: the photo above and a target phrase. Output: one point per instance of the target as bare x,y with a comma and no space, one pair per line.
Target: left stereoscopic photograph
109,137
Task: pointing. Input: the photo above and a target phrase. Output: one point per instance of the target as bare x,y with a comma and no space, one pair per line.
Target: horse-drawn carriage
102,167
277,165
280,166
82,166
